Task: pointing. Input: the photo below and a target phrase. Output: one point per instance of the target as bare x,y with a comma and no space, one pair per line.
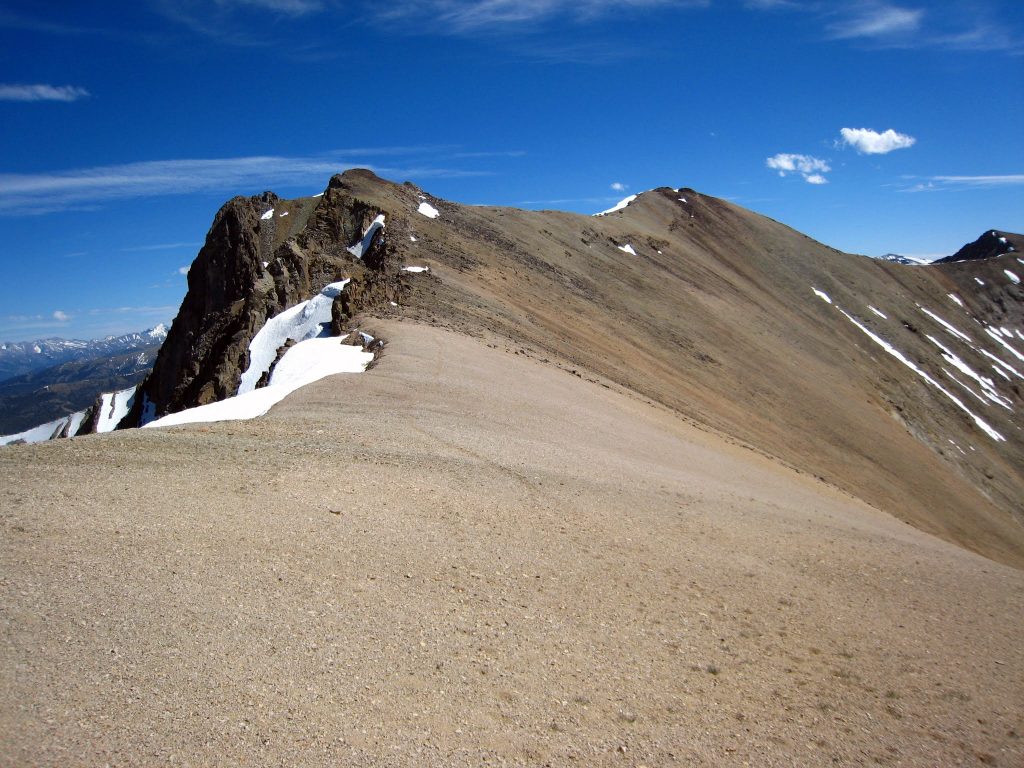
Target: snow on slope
891,350
305,320
39,434
428,210
618,206
363,245
114,406
306,362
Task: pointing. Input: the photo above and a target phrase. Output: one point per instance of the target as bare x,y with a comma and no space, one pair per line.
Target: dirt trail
466,557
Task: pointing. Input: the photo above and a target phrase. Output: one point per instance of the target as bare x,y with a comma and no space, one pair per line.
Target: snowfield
618,206
114,406
306,362
305,320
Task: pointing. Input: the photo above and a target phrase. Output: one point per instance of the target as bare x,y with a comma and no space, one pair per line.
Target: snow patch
924,375
412,239
114,406
428,210
877,312
955,298
979,281
306,320
995,335
987,385
628,249
308,361
415,269
618,206
944,324
1013,277
363,245
39,434
821,295
1001,363
284,214
268,215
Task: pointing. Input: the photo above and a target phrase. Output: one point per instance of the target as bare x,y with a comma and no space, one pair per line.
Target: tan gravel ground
465,557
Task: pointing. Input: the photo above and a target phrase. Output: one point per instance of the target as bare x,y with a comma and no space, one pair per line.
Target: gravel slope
467,557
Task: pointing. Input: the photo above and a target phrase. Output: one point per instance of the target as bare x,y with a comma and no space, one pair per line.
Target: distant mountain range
42,380
17,358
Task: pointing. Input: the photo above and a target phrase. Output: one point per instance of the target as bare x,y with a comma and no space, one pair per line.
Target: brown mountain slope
715,316
466,557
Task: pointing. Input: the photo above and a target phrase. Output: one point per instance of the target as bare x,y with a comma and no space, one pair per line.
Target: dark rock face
991,244
252,267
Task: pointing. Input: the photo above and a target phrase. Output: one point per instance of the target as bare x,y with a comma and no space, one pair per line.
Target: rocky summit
670,485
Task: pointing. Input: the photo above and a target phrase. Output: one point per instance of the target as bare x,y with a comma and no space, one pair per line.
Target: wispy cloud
60,316
941,183
876,20
42,92
618,186
46,192
288,7
462,16
771,5
184,270
812,169
869,142
159,247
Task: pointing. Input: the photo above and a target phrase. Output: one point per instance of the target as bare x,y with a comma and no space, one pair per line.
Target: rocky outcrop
991,244
261,256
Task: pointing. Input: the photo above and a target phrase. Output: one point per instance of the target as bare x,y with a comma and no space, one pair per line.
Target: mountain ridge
626,489
670,299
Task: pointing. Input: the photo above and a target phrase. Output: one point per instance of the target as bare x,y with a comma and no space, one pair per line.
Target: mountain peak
992,243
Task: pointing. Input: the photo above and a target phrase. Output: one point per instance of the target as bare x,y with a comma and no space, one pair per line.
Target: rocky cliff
261,256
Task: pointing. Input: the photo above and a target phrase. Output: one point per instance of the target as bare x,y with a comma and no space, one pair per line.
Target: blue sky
125,126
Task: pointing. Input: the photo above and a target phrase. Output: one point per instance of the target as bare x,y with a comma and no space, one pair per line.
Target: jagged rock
250,270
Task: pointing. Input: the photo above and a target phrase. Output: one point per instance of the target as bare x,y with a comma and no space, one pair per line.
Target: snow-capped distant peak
618,206
157,332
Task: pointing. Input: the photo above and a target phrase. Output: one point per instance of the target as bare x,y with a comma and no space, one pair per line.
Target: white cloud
940,183
60,316
983,181
159,247
618,186
811,168
869,142
290,7
183,270
469,15
46,192
41,92
877,20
